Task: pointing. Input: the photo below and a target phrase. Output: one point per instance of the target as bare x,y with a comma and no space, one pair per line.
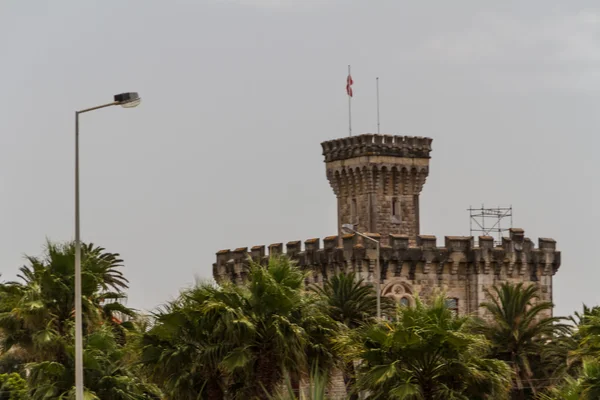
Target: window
404,302
396,217
452,305
353,211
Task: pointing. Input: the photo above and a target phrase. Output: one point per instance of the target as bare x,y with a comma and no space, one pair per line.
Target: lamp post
126,100
350,229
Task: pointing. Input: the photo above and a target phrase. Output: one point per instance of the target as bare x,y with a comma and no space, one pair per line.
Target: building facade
377,180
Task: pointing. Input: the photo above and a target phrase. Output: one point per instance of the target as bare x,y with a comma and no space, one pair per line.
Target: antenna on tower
490,221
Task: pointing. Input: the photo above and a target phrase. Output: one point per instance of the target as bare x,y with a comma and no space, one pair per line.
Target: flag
349,83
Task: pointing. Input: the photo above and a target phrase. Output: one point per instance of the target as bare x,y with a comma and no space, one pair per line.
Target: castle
377,180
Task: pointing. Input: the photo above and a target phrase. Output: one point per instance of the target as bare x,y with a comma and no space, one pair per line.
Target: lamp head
348,228
128,100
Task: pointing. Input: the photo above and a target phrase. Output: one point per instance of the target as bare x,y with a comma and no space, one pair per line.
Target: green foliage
350,301
428,353
262,338
12,387
37,326
522,335
238,339
316,388
581,377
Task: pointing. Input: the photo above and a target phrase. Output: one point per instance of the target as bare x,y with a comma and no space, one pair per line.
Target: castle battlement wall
516,256
377,181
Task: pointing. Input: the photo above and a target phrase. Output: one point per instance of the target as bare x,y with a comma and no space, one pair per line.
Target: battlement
376,145
516,254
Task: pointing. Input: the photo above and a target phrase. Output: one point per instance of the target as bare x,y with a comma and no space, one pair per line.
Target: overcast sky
224,151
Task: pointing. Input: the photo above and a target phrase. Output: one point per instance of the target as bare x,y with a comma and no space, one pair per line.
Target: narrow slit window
353,210
396,211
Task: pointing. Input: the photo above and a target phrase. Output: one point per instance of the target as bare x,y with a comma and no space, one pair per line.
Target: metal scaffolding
494,222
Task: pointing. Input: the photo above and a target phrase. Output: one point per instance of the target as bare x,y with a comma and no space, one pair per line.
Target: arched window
405,302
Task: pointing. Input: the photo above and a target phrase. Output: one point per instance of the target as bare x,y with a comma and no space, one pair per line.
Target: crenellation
330,242
293,248
459,243
399,242
257,253
545,243
421,261
275,248
369,144
312,244
427,241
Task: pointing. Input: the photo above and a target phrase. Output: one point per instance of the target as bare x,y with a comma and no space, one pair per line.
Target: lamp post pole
126,100
350,228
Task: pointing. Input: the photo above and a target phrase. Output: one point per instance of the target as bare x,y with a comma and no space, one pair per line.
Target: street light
349,228
126,100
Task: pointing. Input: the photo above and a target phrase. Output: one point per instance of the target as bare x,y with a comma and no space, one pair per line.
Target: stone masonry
377,180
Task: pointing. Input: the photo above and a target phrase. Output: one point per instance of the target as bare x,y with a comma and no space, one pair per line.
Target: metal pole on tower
378,124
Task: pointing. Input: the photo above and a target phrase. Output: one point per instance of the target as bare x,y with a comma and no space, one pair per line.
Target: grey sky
224,150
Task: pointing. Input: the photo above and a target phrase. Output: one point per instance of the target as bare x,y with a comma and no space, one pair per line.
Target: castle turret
377,180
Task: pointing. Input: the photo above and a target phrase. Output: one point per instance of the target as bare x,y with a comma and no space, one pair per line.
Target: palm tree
184,352
40,307
109,374
237,339
37,320
351,302
316,388
584,387
348,300
580,371
428,353
521,332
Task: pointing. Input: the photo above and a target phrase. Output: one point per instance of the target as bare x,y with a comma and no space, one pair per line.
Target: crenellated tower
377,180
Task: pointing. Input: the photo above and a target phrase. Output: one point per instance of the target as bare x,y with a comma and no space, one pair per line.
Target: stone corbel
371,270
487,267
440,268
511,267
523,265
454,269
426,267
349,267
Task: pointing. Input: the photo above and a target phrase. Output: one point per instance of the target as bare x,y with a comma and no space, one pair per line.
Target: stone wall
461,268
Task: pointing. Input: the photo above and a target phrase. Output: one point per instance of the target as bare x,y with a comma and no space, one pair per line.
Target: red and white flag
349,83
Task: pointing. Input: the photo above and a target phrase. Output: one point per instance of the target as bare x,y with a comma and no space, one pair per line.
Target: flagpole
349,107
378,125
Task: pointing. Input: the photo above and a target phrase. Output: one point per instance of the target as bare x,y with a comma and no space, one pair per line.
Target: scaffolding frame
495,217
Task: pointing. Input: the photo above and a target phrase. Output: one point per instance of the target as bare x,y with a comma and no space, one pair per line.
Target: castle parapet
517,255
373,144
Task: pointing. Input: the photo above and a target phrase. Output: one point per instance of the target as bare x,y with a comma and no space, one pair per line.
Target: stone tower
377,180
